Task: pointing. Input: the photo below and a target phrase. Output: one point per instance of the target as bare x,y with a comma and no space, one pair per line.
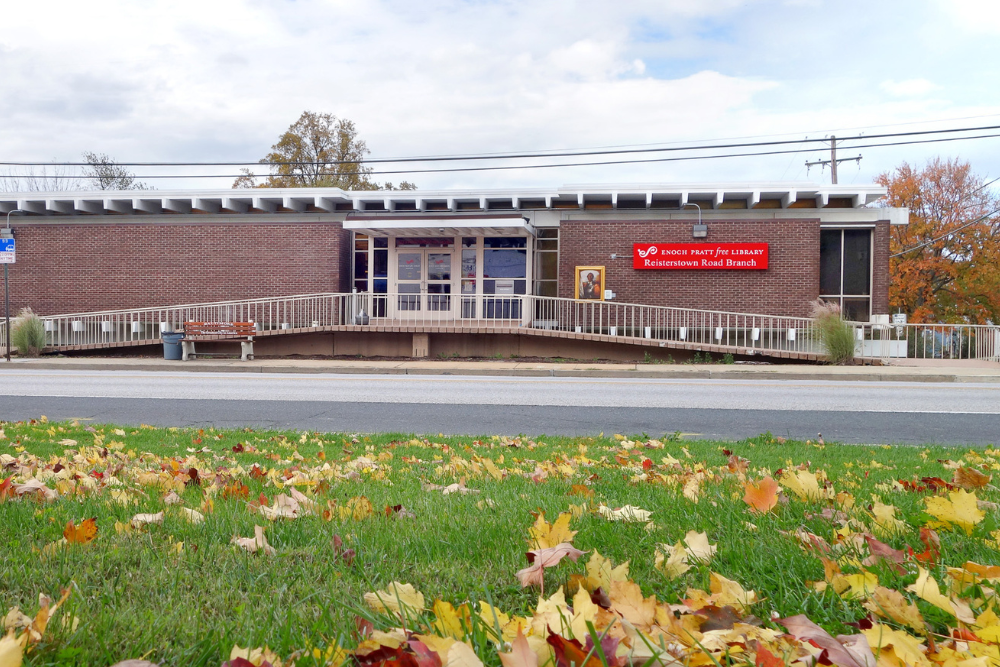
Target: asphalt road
857,412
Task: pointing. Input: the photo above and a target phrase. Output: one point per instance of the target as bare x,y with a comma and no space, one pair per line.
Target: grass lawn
182,593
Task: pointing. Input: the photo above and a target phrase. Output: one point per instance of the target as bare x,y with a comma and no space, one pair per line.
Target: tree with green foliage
318,150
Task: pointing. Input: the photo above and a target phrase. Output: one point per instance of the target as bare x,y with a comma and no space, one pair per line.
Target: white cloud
979,16
220,80
908,88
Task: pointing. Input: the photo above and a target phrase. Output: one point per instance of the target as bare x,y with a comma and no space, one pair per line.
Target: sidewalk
988,372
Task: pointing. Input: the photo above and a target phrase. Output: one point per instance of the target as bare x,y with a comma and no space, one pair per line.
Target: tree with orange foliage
945,264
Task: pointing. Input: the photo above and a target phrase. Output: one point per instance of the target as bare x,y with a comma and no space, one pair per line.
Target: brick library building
450,257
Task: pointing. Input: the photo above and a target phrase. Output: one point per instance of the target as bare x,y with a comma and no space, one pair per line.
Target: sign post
7,256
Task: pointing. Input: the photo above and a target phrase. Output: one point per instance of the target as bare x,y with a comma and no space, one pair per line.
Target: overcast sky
200,80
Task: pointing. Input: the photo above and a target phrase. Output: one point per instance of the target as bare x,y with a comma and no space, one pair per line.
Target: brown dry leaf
761,496
35,486
727,591
172,499
970,479
256,543
83,533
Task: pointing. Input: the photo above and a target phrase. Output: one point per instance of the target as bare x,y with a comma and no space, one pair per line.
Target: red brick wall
70,267
785,288
880,268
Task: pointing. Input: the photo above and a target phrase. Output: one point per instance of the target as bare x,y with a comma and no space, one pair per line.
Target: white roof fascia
326,199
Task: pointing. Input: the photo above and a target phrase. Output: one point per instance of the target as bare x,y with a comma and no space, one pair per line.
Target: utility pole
833,161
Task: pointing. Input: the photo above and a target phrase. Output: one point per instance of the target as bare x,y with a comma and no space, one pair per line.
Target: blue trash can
172,346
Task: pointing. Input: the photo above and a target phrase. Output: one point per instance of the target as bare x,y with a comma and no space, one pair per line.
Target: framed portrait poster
590,283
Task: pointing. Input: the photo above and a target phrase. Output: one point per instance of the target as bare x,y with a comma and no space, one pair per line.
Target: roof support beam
88,207
234,205
176,205
264,205
152,206
118,206
60,207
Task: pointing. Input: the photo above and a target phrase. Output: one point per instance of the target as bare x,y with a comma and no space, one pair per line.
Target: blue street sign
7,255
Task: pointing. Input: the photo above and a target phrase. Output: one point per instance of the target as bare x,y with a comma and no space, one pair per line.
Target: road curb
628,371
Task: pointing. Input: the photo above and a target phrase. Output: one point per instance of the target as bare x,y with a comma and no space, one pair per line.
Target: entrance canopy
453,225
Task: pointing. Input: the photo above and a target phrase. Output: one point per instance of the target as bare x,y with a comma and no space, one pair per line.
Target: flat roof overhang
452,225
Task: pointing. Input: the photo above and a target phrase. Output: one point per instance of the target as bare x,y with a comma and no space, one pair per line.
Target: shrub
835,335
27,333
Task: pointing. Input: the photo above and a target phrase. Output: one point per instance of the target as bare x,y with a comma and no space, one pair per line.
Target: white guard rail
738,333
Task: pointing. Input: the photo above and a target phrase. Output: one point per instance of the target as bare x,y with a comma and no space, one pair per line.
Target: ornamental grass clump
836,335
27,333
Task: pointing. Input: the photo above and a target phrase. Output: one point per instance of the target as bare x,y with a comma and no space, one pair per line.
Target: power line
512,156
542,166
946,235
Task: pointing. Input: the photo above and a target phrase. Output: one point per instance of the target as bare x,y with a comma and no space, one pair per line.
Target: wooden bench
236,332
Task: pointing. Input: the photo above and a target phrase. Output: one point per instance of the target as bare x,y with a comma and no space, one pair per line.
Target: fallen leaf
543,535
394,597
192,516
801,627
11,653
544,558
803,484
627,513
256,543
81,534
894,605
958,509
140,520
970,479
520,654
761,496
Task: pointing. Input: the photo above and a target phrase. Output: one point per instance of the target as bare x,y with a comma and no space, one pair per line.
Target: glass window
381,242
546,288
429,242
505,242
439,266
360,265
380,263
468,241
829,261
408,266
505,263
857,261
468,263
546,266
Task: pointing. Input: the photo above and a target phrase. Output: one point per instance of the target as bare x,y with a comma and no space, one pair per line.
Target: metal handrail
722,331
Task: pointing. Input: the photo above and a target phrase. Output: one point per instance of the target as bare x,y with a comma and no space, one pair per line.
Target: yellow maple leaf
907,649
601,572
543,535
885,523
926,587
394,597
727,591
802,483
894,605
959,509
854,586
11,653
626,599
450,622
357,508
671,560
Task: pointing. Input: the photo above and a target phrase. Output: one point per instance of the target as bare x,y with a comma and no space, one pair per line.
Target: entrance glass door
424,279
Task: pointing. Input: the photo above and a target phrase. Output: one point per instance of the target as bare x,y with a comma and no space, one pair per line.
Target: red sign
732,256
